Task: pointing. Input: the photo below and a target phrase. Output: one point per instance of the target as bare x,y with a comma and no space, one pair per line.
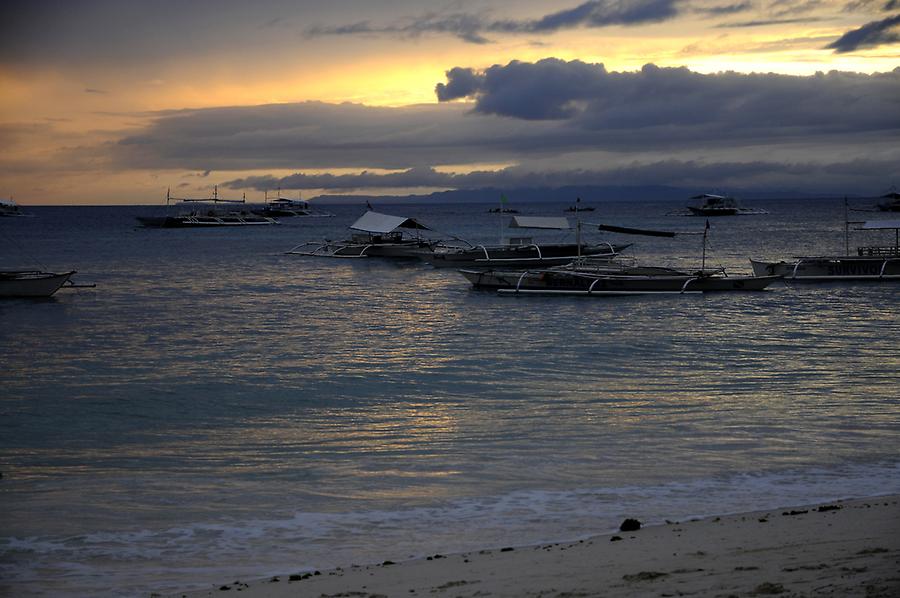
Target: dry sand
846,548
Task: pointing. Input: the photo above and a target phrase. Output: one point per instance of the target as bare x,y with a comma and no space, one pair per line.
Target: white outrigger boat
590,277
523,251
870,262
10,209
722,205
282,207
212,215
377,235
32,283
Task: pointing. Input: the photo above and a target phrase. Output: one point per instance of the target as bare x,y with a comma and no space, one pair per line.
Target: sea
216,409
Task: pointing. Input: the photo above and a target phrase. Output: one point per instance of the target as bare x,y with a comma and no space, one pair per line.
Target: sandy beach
844,548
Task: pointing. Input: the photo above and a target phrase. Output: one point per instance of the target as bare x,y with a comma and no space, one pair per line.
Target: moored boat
891,202
721,205
869,263
31,283
10,209
522,251
283,207
377,235
610,280
205,212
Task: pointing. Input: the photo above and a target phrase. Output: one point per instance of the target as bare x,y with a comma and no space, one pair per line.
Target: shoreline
841,548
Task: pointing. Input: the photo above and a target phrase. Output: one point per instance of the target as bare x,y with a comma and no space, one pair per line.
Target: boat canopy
551,222
8,203
881,224
375,222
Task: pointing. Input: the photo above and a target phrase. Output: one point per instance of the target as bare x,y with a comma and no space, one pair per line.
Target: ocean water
217,410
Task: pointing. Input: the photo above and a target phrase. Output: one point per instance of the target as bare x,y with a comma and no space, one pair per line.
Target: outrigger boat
522,251
721,205
283,207
211,216
378,235
870,262
607,281
891,203
32,283
588,277
10,209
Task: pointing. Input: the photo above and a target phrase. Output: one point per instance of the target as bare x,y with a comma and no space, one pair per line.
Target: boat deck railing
879,251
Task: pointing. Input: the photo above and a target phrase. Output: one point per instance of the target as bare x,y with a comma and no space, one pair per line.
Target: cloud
550,115
473,28
656,105
870,35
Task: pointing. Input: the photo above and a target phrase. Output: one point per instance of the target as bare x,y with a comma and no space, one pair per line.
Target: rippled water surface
216,409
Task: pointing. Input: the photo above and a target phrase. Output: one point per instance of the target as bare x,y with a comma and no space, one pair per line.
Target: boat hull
562,282
31,284
827,268
519,255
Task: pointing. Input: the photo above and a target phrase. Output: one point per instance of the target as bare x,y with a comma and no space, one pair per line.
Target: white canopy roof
552,222
880,224
8,203
375,222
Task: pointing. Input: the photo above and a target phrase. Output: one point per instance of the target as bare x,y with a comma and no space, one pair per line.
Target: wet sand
844,548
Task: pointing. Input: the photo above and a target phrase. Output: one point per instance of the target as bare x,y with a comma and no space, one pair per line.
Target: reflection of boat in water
10,209
205,212
870,262
891,203
31,283
378,235
283,207
521,251
611,279
721,205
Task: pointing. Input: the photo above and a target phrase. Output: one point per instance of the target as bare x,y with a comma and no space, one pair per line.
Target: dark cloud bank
830,127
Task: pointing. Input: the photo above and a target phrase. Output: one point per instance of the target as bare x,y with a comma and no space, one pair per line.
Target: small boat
522,251
610,280
579,208
10,209
721,205
205,212
891,203
869,263
31,283
379,235
283,207
502,211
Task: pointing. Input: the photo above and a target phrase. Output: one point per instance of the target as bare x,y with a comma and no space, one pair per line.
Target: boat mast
846,228
502,203
705,233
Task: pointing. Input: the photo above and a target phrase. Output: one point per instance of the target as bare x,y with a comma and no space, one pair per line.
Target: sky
116,101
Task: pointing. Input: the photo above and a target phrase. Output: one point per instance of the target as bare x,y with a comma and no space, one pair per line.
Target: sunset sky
114,101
